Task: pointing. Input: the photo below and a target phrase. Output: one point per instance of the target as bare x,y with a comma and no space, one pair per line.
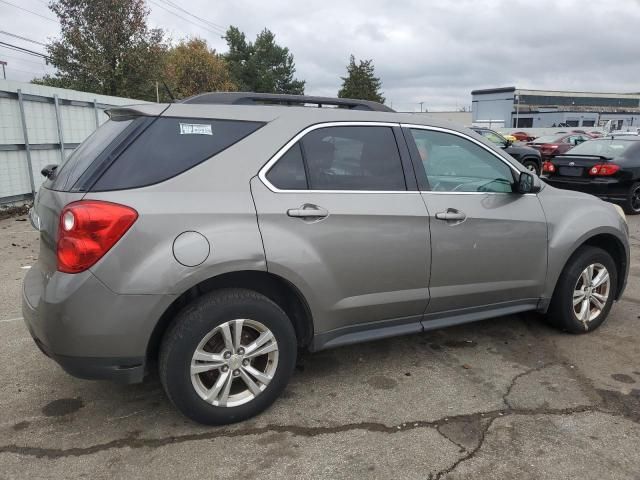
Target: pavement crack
515,379
135,441
472,453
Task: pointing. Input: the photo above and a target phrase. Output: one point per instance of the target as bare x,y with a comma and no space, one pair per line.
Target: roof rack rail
249,98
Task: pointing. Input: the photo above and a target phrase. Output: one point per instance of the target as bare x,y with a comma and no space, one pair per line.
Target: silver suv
218,236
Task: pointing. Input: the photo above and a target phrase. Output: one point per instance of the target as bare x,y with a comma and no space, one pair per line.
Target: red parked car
523,136
552,145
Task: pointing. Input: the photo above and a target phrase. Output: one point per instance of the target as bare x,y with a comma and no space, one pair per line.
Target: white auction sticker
195,129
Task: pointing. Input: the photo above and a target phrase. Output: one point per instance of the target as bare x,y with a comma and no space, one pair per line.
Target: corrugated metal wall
56,121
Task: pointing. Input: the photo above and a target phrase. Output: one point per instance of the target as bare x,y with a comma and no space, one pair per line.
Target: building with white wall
523,108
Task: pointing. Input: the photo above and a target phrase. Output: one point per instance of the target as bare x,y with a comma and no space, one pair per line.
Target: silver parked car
217,236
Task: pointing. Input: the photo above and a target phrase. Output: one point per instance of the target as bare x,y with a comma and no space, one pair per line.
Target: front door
339,222
489,244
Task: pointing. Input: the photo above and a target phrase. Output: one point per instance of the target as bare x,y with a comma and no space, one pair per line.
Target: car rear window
170,146
82,157
610,148
548,139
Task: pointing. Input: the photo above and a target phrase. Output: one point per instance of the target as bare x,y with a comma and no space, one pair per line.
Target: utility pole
157,93
517,99
4,72
421,106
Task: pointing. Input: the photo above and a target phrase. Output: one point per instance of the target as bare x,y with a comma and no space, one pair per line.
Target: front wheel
585,291
532,166
227,356
632,204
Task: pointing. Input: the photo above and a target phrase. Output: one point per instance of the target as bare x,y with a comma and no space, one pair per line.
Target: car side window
288,173
353,158
455,164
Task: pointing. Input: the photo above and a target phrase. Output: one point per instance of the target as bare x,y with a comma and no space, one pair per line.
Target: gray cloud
435,52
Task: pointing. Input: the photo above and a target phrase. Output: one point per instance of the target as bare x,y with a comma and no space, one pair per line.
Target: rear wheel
632,204
532,166
585,291
227,357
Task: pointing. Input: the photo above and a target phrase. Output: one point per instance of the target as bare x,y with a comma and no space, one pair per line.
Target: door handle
308,211
451,215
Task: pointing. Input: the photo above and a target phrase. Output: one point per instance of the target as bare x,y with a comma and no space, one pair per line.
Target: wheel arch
272,286
609,243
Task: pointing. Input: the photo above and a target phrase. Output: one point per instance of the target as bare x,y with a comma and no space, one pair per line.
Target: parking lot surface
504,398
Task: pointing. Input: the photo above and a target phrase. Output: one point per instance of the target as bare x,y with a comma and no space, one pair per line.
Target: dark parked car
557,144
606,167
527,156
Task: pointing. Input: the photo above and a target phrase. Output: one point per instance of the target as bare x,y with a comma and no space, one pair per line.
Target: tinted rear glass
610,148
288,173
83,156
170,146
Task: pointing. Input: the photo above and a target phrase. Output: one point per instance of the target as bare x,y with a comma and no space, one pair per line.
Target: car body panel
375,287
367,261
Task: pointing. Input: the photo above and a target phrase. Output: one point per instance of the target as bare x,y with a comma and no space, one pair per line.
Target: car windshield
605,147
494,137
548,139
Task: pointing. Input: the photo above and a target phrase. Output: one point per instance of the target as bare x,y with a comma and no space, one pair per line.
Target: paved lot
505,398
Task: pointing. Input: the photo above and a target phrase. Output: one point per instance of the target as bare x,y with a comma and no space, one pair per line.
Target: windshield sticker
195,129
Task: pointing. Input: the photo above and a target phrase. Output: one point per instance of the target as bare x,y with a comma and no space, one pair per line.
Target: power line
30,11
23,38
203,20
18,48
22,59
183,18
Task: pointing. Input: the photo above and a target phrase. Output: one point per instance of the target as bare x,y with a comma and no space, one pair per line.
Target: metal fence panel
50,124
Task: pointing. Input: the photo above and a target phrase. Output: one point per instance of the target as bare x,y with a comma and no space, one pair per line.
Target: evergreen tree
262,66
361,82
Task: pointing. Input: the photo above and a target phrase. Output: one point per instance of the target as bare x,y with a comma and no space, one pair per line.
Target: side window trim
262,173
415,156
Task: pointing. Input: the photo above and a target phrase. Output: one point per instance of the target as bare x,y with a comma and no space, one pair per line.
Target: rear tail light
548,167
603,169
548,148
88,229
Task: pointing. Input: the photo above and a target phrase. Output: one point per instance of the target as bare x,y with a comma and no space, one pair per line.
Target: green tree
262,66
106,47
191,67
361,82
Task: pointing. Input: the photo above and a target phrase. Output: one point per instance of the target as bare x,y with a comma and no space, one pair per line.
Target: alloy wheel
234,363
591,293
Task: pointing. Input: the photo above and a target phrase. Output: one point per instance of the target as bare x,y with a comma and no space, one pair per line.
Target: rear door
489,245
341,218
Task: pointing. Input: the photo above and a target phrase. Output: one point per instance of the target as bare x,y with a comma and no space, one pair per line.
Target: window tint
86,153
455,164
169,147
288,172
353,158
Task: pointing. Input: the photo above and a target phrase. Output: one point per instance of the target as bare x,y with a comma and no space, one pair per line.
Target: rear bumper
606,189
90,331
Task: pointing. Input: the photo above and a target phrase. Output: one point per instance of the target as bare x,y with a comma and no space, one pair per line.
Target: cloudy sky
434,52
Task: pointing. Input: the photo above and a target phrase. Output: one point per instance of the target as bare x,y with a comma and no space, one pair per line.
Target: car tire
584,317
532,166
207,325
632,204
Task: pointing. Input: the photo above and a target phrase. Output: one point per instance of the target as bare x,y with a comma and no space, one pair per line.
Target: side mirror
507,144
527,183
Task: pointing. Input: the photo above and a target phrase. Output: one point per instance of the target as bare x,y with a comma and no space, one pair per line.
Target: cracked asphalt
504,398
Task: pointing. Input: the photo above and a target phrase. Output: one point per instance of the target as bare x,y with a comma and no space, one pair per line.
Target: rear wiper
49,170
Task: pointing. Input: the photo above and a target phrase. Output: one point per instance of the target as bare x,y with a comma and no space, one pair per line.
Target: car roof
267,113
